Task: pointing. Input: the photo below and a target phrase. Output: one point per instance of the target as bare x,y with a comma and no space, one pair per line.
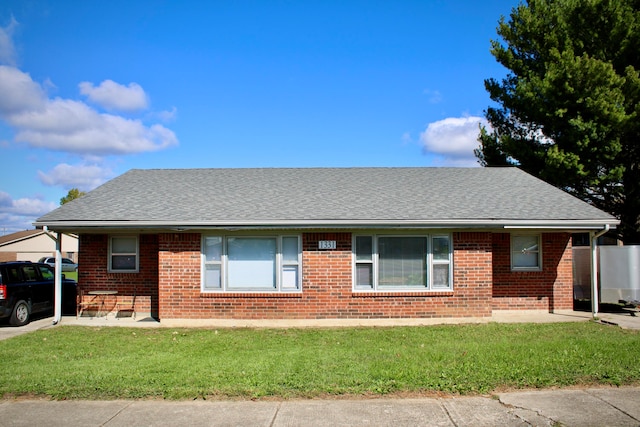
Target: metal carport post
594,269
57,276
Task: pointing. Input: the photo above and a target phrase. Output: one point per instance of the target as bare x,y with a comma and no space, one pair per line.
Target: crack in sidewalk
275,415
510,409
446,411
118,412
612,405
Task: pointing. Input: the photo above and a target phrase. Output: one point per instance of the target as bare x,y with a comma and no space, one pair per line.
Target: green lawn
73,275
72,362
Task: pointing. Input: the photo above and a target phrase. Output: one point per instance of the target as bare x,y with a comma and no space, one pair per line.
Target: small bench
631,310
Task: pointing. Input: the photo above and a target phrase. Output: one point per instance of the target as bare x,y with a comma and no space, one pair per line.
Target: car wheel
20,315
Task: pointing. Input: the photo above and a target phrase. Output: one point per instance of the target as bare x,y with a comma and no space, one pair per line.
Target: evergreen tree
569,105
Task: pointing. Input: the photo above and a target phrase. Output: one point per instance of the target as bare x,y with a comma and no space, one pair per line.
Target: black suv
27,288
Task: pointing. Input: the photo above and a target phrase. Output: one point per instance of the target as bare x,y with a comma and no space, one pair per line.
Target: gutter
330,223
594,270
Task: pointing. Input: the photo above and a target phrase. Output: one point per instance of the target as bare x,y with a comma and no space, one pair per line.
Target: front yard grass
73,362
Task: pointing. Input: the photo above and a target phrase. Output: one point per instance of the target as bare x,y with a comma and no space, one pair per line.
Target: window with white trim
388,263
251,263
525,252
123,254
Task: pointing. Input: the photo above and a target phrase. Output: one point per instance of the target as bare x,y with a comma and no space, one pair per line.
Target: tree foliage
73,194
569,104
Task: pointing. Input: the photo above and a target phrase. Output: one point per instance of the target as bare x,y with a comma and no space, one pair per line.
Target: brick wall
8,256
327,285
168,284
179,276
473,272
550,289
93,274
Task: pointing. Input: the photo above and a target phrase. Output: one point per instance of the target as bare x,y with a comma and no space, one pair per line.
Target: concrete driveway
7,331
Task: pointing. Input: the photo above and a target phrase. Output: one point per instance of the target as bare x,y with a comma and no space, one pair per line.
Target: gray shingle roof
325,196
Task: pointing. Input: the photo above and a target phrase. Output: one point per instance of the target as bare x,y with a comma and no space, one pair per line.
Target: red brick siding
168,284
550,289
93,275
472,272
327,290
8,256
179,276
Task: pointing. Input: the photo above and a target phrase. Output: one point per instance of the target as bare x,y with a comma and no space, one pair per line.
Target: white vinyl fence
619,268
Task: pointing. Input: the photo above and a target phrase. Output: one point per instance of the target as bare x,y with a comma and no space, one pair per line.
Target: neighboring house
31,245
329,243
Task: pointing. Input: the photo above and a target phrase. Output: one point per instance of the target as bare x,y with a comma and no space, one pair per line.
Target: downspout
594,270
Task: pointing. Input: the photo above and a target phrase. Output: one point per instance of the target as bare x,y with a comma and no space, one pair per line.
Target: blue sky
91,89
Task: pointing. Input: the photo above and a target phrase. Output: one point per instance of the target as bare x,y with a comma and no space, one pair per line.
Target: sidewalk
623,320
589,407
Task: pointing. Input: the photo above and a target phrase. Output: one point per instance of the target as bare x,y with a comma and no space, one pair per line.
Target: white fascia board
345,224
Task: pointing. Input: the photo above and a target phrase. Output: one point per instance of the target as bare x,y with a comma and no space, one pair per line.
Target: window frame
135,254
281,265
374,262
512,251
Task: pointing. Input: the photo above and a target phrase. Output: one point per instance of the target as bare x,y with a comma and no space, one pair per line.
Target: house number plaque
326,244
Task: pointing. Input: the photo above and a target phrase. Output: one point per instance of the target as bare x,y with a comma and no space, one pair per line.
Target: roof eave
561,224
20,239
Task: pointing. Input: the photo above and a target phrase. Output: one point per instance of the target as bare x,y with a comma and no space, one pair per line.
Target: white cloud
7,50
453,140
72,126
20,94
114,96
167,115
435,97
16,215
406,138
31,207
83,177
5,200
36,206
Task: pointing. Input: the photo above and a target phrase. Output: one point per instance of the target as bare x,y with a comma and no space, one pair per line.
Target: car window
12,276
47,273
30,273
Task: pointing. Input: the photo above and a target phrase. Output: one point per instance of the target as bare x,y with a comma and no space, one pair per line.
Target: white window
241,264
389,263
525,252
123,254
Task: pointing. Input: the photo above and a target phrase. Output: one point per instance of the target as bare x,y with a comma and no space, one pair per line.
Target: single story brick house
328,243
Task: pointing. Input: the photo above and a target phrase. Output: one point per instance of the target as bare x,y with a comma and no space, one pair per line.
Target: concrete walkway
623,320
588,407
